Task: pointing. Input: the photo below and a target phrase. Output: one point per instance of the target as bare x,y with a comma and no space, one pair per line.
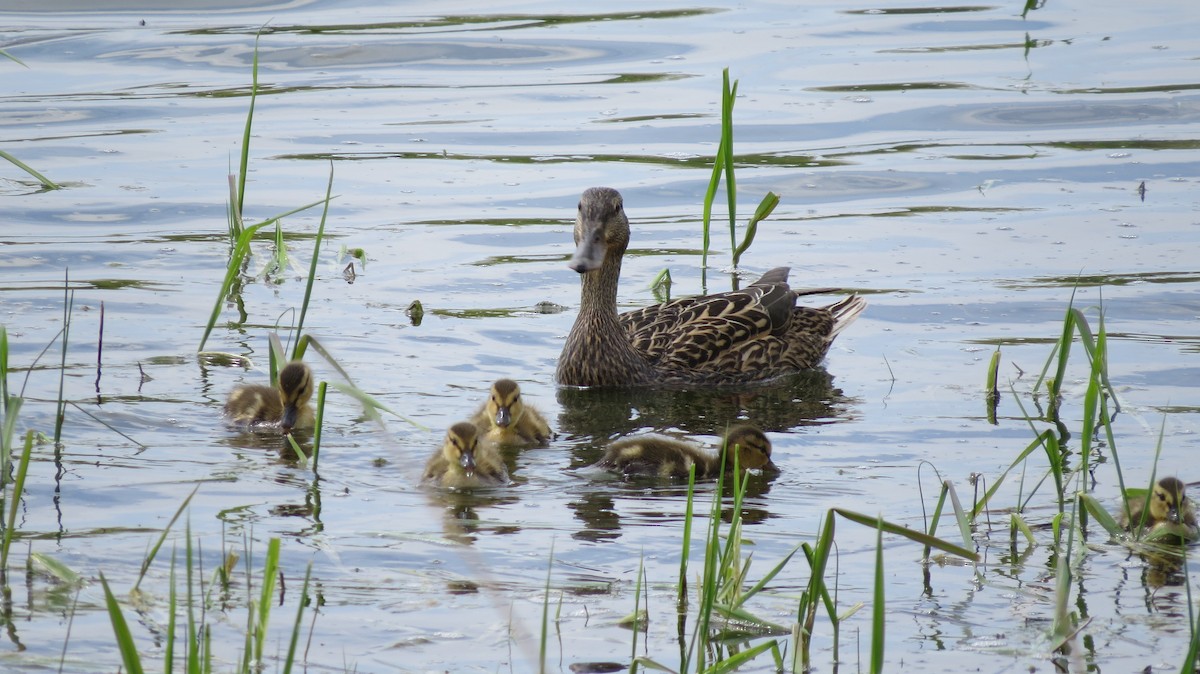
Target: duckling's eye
1161,496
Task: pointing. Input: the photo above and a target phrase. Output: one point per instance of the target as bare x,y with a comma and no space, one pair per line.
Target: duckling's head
601,229
1168,500
504,406
459,448
754,447
295,390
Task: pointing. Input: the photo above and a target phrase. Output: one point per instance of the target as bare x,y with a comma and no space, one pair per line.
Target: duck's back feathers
753,334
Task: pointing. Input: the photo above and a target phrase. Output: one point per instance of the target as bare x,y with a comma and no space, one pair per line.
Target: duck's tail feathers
845,312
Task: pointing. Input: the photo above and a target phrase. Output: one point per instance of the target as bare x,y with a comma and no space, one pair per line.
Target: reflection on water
807,398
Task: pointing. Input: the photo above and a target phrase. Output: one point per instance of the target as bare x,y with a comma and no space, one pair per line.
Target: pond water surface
965,169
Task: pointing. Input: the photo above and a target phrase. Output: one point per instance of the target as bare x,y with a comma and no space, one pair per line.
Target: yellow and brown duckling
745,336
1169,511
660,456
506,419
465,461
286,405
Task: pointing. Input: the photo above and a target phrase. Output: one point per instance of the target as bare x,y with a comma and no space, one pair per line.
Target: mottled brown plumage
286,406
464,461
1170,516
744,336
507,420
661,456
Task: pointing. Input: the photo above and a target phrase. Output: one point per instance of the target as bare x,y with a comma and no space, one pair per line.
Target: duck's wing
692,331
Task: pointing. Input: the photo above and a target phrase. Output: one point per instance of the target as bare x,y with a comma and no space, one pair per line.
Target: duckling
751,335
506,419
464,462
286,406
667,457
1170,511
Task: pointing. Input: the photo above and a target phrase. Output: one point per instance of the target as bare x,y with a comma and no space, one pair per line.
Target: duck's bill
503,417
589,255
291,414
467,461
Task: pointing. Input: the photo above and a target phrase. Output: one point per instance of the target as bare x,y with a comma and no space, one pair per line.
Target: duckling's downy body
507,420
286,406
667,457
745,336
464,461
1169,510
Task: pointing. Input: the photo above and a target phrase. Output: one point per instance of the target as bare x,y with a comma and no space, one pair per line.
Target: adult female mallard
286,406
464,461
745,336
667,457
1170,512
507,420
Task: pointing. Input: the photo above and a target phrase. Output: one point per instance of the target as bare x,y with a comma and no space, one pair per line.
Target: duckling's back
657,456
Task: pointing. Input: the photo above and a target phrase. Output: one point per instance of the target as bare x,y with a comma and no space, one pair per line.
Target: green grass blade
765,208
129,654
735,661
878,610
295,640
312,267
546,614
15,504
245,156
68,306
46,182
317,424
767,578
162,538
911,534
53,567
262,612
727,99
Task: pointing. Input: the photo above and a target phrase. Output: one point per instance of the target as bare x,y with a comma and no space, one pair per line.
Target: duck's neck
597,352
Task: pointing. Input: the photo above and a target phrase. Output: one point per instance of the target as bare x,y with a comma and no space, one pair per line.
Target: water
961,166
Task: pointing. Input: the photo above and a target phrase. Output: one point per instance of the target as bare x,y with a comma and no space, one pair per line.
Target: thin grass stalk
124,639
312,266
245,156
295,640
1193,652
878,611
172,600
637,598
68,305
1063,351
18,489
46,182
266,599
546,614
192,650
727,98
3,371
1061,627
318,424
681,588
937,516
163,537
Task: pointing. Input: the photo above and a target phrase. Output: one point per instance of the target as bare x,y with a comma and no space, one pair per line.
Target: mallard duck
286,406
745,336
464,461
506,419
668,457
1170,510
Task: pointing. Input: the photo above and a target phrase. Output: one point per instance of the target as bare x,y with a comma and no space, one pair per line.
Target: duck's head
295,390
1169,500
754,448
459,448
504,406
601,229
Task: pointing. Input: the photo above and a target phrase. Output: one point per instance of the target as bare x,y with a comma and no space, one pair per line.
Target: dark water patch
896,86
906,11
1099,280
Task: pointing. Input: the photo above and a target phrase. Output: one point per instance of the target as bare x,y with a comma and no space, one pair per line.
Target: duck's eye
581,207
597,237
